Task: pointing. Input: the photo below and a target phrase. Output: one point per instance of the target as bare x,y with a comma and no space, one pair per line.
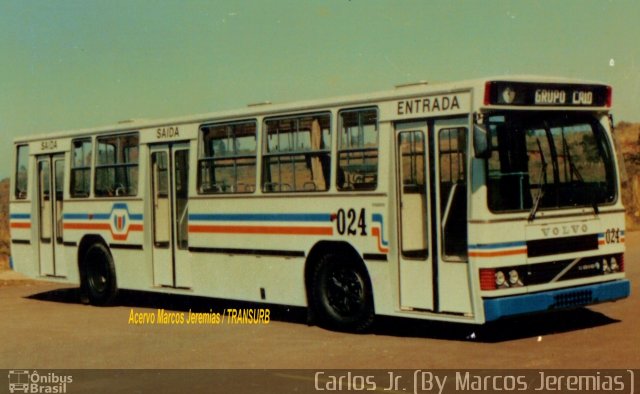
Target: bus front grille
572,299
547,247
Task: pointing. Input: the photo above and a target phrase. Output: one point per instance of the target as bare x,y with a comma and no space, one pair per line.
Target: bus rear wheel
99,275
341,296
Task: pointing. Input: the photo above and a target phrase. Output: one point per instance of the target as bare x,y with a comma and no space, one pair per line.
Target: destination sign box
546,94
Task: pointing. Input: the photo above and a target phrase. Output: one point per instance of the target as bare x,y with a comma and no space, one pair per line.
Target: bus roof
269,109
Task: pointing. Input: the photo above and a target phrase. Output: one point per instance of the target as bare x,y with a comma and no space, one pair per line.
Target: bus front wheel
341,295
99,277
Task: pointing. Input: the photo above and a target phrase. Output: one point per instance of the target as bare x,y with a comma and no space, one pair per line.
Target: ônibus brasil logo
24,381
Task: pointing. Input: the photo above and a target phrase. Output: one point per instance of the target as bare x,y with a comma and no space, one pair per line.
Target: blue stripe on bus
97,216
20,216
102,216
499,245
379,219
602,235
261,217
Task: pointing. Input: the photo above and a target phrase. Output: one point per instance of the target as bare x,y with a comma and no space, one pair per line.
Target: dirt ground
45,326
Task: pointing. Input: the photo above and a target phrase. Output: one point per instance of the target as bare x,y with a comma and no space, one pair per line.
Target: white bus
465,202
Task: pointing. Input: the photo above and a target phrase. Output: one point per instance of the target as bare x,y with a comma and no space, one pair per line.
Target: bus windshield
543,160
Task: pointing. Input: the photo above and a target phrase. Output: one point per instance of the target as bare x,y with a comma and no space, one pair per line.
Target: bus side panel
246,277
24,252
248,244
133,269
120,224
385,294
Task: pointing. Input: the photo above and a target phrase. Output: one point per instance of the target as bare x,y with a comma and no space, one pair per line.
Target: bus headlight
514,279
605,266
501,280
613,264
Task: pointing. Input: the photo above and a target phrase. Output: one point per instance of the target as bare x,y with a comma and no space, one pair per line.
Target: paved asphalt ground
44,326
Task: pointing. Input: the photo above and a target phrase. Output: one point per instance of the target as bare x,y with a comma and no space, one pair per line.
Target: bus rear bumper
497,308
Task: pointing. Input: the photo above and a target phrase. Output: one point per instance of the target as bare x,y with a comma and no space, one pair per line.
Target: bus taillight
609,99
487,93
487,279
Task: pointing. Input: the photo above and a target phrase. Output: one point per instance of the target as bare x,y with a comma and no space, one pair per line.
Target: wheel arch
84,245
324,247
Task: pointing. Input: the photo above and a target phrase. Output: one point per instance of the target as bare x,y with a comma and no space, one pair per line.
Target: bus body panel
24,252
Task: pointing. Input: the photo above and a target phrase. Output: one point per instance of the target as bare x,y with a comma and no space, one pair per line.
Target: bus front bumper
497,308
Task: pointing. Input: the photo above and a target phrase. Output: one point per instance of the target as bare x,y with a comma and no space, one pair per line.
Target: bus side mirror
481,142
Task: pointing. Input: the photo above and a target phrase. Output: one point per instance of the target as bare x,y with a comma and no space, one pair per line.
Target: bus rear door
50,210
170,192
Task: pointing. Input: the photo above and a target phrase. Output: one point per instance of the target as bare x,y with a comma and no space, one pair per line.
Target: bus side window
227,162
22,168
297,153
358,150
81,168
117,166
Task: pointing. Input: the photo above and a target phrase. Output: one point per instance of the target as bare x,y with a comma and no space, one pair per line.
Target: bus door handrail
447,209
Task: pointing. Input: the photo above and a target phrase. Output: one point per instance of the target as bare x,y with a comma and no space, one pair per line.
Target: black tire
99,275
341,296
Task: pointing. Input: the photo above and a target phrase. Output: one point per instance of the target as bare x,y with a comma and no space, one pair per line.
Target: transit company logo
24,381
120,218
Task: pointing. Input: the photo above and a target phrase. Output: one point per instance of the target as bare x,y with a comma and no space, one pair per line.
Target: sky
70,64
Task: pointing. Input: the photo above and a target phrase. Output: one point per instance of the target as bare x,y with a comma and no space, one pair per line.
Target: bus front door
432,187
415,257
170,191
50,210
450,140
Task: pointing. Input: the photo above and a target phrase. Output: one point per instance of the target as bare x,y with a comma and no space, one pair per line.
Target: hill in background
627,137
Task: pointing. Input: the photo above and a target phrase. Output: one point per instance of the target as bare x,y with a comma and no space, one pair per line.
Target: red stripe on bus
376,233
98,226
602,242
87,226
498,253
295,230
20,225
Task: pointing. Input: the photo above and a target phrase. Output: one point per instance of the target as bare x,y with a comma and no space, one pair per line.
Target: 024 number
612,236
349,222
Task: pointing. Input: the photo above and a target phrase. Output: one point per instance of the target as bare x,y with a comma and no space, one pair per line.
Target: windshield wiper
573,170
543,177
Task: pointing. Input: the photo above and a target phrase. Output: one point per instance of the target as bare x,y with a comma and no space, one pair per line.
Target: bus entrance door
416,265
170,191
50,204
450,138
